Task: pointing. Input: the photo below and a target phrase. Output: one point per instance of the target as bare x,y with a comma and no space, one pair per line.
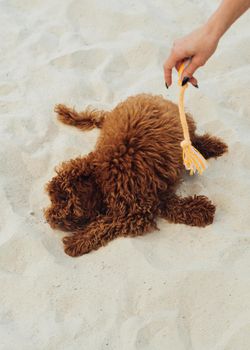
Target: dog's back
144,127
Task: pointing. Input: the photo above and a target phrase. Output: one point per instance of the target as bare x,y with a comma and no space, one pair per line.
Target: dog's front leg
98,233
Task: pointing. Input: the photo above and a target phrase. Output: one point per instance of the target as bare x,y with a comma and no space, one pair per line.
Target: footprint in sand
85,59
6,89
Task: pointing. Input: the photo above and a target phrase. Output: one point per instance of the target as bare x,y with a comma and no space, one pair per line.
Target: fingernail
166,85
185,80
196,85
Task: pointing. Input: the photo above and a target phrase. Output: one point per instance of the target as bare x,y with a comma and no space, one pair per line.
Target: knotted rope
192,159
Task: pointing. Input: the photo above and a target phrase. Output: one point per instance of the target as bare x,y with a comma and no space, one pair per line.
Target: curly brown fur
74,196
86,120
193,211
121,187
209,146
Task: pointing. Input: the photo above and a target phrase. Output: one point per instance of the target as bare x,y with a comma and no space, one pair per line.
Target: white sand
180,288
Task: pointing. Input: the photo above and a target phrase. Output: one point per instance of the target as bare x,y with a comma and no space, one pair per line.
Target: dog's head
75,197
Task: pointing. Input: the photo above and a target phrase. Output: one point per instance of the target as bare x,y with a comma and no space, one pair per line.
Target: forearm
202,42
226,14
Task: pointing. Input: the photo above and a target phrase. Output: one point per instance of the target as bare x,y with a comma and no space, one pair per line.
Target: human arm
202,42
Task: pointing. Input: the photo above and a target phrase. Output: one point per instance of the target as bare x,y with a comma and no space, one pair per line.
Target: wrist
214,28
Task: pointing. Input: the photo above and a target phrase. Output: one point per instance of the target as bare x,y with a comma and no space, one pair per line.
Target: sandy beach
180,288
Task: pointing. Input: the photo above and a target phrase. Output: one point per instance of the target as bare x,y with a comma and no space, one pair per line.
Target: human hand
199,46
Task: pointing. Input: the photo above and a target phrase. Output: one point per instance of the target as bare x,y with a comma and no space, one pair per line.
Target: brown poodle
130,178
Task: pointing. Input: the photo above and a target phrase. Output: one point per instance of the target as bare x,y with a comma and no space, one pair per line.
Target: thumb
190,69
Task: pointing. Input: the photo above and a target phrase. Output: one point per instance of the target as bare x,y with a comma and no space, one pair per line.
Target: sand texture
180,288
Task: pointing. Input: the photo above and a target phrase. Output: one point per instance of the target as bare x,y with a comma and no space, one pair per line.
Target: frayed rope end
192,159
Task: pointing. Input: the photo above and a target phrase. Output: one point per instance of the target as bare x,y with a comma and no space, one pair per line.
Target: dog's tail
86,120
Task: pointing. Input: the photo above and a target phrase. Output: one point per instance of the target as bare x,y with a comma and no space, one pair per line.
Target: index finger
168,66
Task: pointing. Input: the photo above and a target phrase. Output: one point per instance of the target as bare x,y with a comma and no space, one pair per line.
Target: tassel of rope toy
192,159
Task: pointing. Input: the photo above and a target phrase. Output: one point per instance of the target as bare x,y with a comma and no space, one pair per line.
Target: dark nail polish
185,81
166,85
196,85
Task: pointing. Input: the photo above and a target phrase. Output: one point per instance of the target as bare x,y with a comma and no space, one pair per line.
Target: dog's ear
75,197
67,172
86,195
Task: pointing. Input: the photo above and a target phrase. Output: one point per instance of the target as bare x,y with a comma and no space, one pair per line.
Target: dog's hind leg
193,211
85,120
209,146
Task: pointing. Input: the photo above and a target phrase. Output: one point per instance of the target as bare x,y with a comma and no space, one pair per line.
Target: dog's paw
210,146
76,246
201,211
217,148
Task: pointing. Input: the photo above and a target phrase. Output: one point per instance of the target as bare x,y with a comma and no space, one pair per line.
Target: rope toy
192,159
